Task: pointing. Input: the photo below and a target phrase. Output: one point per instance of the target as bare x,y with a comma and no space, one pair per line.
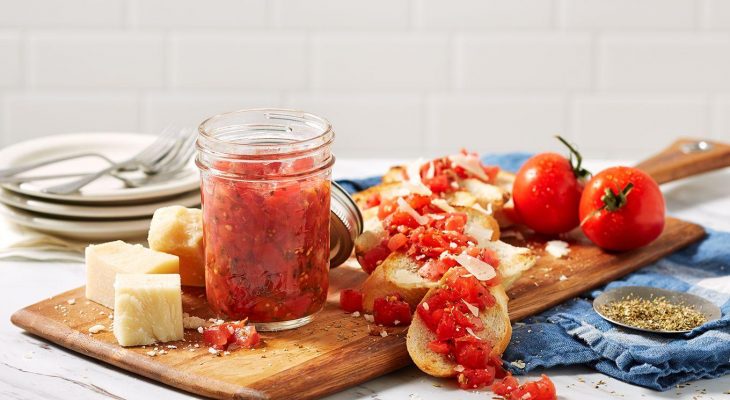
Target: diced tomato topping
373,200
491,171
373,257
455,222
471,290
438,184
351,300
231,335
472,352
386,208
509,387
440,347
397,241
391,311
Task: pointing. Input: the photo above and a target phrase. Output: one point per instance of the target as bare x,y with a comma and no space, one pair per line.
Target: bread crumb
383,333
71,301
518,364
563,278
369,317
459,368
356,314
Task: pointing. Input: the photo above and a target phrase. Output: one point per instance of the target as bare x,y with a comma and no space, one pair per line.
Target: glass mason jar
265,183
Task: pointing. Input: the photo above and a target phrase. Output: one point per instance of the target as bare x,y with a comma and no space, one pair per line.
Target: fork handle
8,172
76,185
686,157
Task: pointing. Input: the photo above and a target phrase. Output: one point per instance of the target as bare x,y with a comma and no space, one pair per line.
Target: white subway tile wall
405,78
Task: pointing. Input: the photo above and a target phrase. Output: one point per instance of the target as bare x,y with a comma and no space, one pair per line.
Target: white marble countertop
31,368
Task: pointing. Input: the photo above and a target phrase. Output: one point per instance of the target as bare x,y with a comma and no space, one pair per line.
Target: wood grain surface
686,157
336,350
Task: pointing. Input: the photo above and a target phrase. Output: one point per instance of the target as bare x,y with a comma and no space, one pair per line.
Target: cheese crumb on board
179,231
557,248
147,308
97,328
104,261
193,322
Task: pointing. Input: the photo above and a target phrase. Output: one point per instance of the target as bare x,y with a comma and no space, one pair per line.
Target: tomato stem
578,169
613,201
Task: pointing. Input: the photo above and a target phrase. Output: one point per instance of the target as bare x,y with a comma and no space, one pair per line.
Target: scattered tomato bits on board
231,335
391,311
351,300
509,387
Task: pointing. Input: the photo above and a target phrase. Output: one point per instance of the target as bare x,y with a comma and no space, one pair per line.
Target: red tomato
351,300
622,208
547,192
391,311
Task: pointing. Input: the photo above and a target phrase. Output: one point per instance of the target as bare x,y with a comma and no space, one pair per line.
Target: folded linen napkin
572,333
17,242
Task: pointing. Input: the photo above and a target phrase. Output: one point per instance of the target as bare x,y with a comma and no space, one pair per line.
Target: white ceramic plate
78,229
191,199
116,146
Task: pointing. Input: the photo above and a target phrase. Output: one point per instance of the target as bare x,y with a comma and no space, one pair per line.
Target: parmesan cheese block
147,309
178,230
104,261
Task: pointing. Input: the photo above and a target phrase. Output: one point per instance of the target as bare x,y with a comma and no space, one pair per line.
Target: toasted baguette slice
399,274
513,260
374,234
473,190
497,331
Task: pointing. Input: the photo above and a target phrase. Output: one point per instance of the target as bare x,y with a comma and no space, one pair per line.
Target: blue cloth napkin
572,333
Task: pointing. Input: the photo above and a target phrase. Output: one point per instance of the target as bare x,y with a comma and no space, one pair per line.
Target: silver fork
165,169
146,159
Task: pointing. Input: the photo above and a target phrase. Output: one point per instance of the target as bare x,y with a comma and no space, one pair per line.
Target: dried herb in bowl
656,313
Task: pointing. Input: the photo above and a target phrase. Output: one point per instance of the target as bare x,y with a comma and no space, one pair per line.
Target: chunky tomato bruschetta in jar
266,211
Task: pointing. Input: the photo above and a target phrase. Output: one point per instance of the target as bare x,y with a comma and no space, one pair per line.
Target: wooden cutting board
336,350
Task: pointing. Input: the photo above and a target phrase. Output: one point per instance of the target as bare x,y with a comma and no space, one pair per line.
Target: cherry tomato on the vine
547,191
622,208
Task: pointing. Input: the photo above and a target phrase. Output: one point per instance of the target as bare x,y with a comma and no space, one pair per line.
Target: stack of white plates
103,210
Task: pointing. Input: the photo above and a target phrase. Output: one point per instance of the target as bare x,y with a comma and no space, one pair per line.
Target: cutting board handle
686,157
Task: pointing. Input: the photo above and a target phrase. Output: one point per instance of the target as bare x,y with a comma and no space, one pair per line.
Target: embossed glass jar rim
265,135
